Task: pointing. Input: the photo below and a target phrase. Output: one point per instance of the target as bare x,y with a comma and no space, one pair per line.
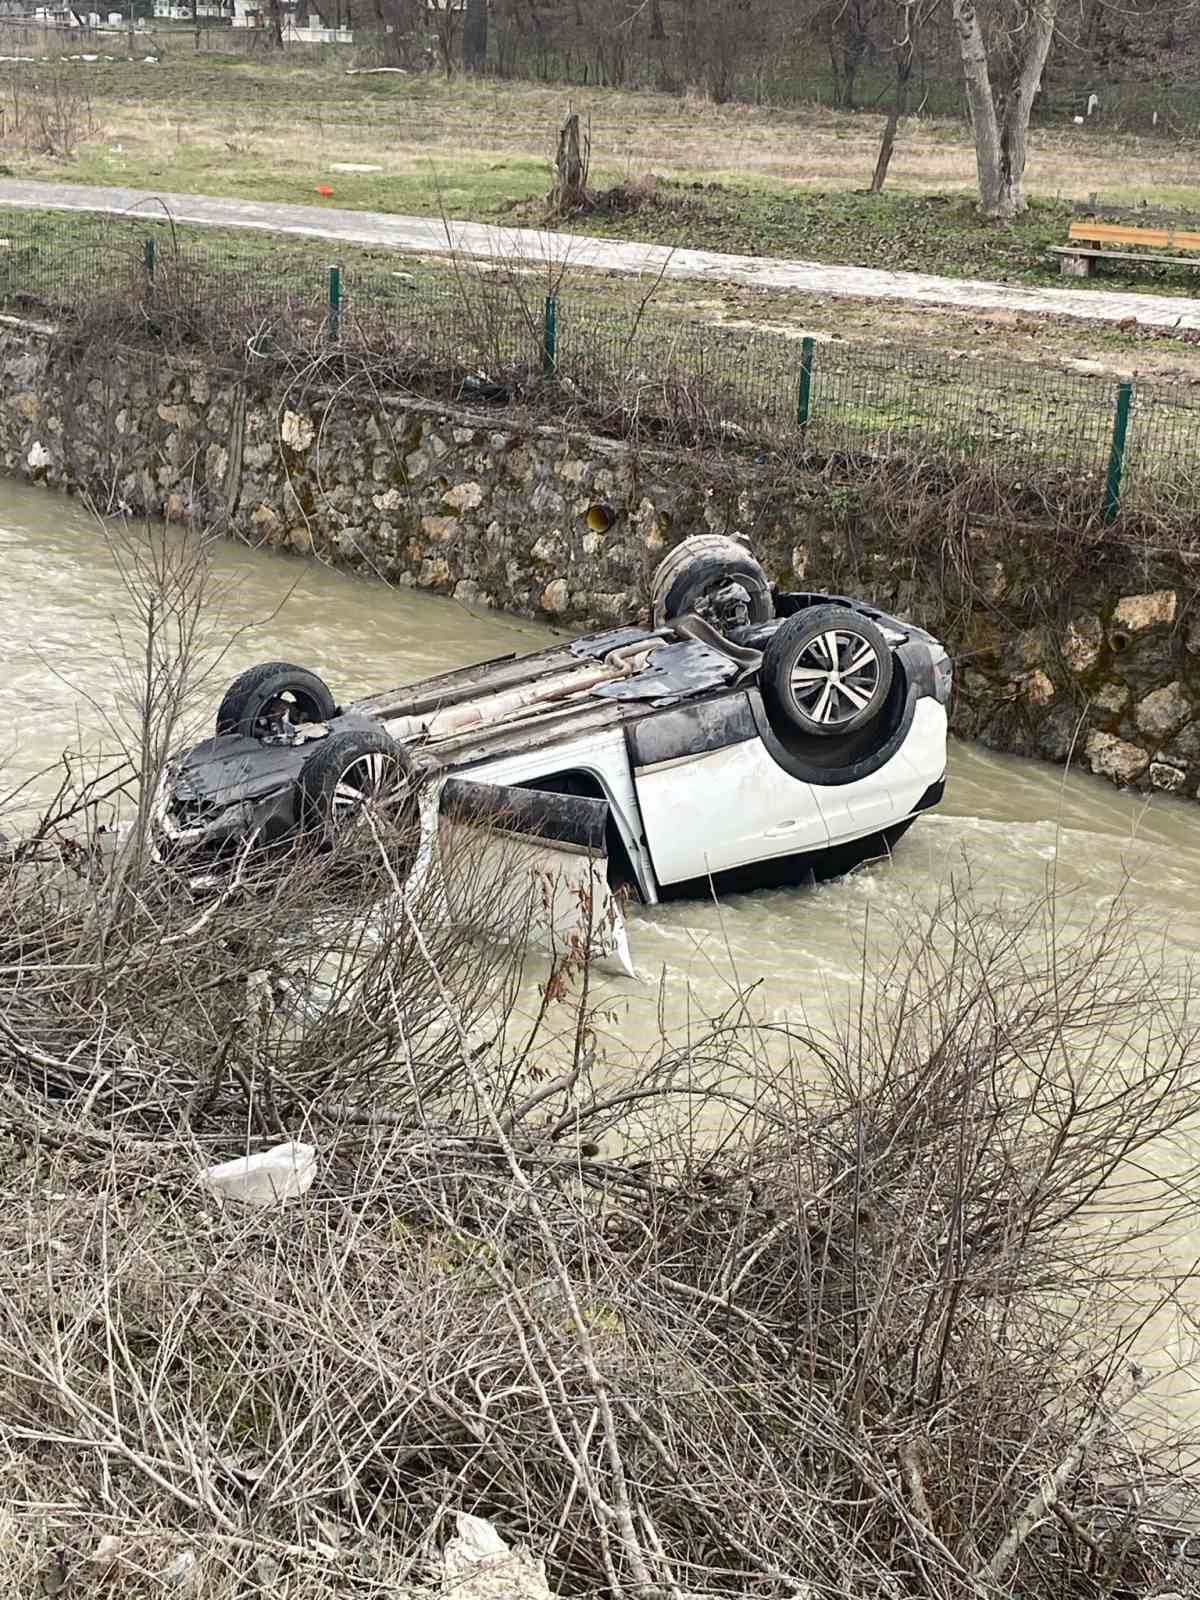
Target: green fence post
550,337
148,258
1116,456
804,398
335,302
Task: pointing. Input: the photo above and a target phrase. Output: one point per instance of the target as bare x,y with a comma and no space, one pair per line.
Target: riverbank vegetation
775,1310
40,247
931,435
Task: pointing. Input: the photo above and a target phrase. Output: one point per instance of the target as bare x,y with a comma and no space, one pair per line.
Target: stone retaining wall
1102,666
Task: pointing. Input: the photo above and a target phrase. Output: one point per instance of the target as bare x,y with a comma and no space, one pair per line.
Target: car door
712,798
521,863
888,795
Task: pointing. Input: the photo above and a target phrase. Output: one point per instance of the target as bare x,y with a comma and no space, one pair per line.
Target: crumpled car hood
232,767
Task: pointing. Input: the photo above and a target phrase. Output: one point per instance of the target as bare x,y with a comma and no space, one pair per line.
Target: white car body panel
885,797
765,812
665,814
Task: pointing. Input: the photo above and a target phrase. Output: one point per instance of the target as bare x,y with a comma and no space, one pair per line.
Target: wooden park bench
1077,259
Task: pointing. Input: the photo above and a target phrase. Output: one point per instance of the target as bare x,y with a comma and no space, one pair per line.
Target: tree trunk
275,15
835,65
854,48
571,162
657,31
475,35
1014,123
904,67
978,81
445,44
1000,132
388,43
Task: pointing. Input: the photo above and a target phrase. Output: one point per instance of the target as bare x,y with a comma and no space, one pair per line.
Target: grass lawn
746,179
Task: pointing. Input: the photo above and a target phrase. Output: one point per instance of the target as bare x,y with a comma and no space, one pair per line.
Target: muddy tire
274,686
346,770
696,579
826,672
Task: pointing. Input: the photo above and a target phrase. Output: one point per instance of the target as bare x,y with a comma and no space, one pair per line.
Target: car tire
826,671
248,696
688,578
345,769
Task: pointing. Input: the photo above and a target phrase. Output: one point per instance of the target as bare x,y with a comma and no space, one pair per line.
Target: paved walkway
430,235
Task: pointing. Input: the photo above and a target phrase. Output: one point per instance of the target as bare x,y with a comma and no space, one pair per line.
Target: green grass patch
940,234
244,172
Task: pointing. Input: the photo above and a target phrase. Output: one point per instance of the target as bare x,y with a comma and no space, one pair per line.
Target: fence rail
1112,446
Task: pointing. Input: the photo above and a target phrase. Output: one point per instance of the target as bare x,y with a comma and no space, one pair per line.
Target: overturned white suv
746,737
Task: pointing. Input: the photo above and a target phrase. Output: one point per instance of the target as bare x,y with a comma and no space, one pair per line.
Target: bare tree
475,35
397,32
447,17
1003,45
847,30
713,42
914,14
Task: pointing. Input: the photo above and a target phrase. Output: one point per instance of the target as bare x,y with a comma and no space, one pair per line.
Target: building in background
302,23
201,11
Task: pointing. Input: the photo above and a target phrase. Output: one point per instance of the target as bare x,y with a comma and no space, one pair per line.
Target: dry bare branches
845,1345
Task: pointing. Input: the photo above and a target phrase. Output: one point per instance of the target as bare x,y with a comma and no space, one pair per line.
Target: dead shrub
847,1344
47,113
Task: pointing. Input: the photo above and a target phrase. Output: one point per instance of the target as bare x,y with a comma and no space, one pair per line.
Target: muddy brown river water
1007,824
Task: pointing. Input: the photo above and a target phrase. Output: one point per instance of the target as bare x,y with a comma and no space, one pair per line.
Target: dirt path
483,241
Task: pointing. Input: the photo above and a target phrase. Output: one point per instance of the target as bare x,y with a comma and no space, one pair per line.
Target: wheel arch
912,682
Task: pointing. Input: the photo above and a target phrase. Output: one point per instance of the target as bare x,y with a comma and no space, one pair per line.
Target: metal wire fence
482,333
